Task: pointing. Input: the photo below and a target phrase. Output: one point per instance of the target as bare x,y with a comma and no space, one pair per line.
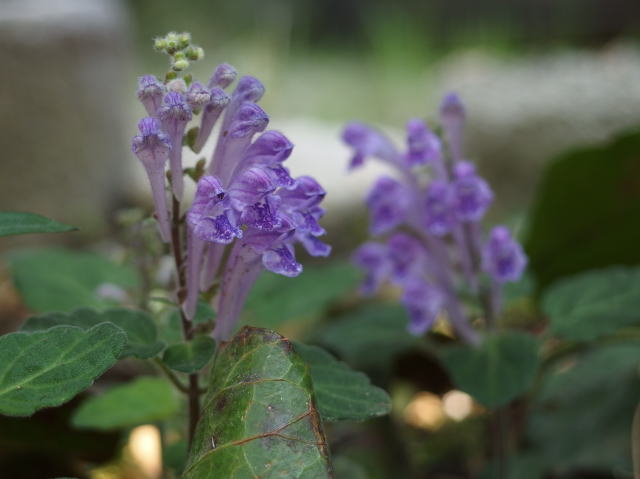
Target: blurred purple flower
502,257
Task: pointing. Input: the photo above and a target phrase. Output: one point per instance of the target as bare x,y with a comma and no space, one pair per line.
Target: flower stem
187,329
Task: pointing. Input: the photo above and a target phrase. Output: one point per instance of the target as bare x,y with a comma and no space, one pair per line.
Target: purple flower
218,100
438,209
407,256
367,142
422,145
423,302
150,93
223,76
502,257
388,204
452,116
198,96
174,115
472,195
210,211
373,259
152,148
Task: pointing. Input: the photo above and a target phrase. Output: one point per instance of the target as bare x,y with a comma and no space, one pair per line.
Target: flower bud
223,76
180,65
194,53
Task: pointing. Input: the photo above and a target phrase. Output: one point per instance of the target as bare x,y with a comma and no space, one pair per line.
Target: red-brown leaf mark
259,418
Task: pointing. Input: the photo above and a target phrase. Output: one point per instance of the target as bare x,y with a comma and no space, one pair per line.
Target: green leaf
143,401
12,223
59,280
141,331
47,368
259,418
592,304
190,356
342,393
601,385
584,211
276,300
501,368
370,337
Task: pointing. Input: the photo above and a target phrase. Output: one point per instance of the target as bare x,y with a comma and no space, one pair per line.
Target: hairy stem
187,329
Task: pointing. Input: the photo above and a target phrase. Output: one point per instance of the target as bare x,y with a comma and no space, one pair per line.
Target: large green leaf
591,395
342,393
47,368
585,209
501,368
13,223
143,401
142,334
589,305
276,300
59,280
259,417
190,356
370,337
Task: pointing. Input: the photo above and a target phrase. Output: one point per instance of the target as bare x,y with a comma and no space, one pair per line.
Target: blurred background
539,78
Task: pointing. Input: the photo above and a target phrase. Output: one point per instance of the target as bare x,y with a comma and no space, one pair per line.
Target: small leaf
381,328
141,331
47,368
587,306
143,401
13,223
501,368
342,394
190,356
259,418
59,280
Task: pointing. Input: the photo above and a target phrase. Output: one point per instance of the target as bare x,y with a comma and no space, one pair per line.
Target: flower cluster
431,211
246,199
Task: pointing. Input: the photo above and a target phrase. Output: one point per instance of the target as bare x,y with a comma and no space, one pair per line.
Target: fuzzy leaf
13,223
501,368
190,356
47,368
592,304
142,334
259,418
59,280
342,393
143,401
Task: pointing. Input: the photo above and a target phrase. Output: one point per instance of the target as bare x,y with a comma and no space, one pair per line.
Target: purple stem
175,160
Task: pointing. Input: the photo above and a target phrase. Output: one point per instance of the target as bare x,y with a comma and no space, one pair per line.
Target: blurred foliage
585,211
60,280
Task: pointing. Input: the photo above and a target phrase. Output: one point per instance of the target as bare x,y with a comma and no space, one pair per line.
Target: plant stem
187,330
171,376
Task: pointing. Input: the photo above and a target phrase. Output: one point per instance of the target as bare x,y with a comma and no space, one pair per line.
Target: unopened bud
159,44
184,40
180,65
171,40
194,53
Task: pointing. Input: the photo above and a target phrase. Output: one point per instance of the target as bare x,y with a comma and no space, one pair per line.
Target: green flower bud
194,53
180,65
184,40
172,41
159,44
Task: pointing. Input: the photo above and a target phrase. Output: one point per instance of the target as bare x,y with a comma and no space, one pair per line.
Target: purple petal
248,120
438,212
307,193
250,186
423,302
150,93
151,146
502,257
407,256
373,259
248,89
223,76
209,195
198,96
263,216
282,261
423,145
216,229
367,142
472,194
314,246
388,204
270,148
174,108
